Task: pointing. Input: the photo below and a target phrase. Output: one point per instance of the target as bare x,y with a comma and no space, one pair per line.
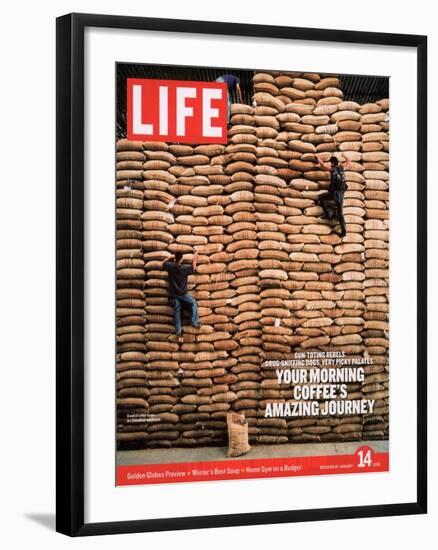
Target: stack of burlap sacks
132,390
273,277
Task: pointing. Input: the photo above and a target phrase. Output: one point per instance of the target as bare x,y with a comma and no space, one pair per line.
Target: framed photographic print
241,274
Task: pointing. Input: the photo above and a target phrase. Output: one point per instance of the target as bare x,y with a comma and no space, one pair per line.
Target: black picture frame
70,273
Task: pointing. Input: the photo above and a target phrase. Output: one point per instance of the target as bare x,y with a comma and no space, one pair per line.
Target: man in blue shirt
178,293
233,83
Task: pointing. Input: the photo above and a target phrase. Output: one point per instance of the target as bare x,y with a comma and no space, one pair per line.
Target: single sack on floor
237,434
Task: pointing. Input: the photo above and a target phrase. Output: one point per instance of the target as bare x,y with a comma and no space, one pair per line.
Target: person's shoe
329,215
196,326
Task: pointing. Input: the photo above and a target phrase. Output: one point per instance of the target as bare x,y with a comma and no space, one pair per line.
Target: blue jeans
177,302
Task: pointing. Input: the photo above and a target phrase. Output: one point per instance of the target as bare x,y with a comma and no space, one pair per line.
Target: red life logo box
176,111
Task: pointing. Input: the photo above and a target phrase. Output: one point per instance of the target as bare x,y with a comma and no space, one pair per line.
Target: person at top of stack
178,293
233,83
332,201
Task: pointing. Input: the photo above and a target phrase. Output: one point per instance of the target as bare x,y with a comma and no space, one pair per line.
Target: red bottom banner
364,460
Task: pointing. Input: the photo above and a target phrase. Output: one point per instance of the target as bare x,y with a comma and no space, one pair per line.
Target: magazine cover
252,318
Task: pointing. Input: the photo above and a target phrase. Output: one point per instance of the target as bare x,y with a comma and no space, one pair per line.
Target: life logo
176,111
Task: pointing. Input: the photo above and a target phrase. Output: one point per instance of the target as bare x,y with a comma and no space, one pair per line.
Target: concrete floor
205,454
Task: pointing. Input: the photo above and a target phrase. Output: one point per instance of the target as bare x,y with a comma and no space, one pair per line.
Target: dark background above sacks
359,88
